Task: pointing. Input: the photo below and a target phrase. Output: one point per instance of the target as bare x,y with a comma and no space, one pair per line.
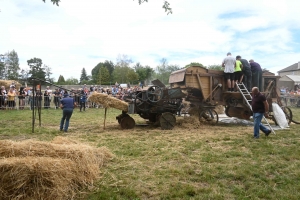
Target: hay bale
108,101
38,178
7,83
64,157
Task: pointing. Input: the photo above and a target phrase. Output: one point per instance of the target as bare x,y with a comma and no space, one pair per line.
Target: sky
81,33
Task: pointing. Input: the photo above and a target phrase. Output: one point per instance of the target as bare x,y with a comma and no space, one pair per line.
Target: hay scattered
220,109
108,101
62,167
7,83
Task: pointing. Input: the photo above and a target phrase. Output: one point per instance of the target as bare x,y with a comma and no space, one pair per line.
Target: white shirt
229,62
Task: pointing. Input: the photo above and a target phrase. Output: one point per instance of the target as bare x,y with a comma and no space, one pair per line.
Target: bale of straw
38,178
81,160
81,153
7,83
108,101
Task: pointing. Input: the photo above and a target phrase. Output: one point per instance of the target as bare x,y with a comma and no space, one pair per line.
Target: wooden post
104,118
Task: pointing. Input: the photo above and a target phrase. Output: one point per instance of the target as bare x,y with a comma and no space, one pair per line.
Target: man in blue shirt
67,104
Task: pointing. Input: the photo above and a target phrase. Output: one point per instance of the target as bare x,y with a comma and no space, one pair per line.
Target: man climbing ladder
260,108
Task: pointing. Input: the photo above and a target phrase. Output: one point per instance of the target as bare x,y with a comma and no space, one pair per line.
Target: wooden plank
200,86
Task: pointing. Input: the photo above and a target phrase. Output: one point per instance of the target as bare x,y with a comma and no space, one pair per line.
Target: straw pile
44,170
108,101
7,83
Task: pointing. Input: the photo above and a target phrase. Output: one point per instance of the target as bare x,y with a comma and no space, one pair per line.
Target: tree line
104,73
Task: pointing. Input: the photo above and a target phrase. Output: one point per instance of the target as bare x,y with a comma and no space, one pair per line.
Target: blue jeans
67,113
258,125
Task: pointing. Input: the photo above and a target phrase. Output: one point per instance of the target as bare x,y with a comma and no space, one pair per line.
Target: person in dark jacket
247,74
67,104
256,74
82,100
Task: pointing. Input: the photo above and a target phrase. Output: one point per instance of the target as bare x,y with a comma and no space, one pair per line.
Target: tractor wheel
167,121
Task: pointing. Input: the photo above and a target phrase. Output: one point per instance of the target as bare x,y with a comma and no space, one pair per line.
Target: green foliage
95,71
71,81
36,70
48,73
23,76
124,75
104,77
144,72
163,71
215,67
194,64
9,66
54,2
61,80
165,6
132,76
83,76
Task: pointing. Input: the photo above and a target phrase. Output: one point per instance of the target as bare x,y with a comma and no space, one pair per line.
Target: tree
9,68
95,71
123,66
83,76
61,80
23,76
215,67
194,64
48,73
165,6
2,70
71,81
12,64
104,77
36,70
144,72
131,76
163,71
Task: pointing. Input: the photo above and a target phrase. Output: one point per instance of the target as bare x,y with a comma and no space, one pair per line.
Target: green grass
189,162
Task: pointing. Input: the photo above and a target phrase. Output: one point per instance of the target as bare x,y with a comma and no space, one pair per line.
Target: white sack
279,116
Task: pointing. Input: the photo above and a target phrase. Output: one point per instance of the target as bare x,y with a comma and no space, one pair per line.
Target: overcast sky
82,33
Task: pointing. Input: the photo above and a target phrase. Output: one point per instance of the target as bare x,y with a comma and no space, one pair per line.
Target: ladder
248,98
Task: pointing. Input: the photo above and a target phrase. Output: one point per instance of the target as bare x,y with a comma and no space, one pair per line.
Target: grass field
193,161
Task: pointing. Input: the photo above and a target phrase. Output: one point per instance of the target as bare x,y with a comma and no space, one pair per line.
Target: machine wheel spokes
140,102
210,116
167,121
154,93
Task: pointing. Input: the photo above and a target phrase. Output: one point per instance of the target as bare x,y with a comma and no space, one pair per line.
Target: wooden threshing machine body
206,89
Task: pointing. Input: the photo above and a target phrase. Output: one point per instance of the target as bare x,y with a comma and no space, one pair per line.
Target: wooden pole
104,118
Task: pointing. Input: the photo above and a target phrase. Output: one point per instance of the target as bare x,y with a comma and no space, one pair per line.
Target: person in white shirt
229,65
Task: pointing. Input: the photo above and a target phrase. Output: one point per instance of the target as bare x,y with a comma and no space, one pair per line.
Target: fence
45,102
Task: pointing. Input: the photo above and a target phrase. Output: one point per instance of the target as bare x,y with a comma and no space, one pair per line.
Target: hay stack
37,178
63,167
108,101
7,83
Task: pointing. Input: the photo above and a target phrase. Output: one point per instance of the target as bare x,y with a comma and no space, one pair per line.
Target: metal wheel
127,122
167,121
209,115
154,93
141,102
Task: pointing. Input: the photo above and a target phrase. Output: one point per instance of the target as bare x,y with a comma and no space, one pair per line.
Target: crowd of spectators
290,97
13,98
